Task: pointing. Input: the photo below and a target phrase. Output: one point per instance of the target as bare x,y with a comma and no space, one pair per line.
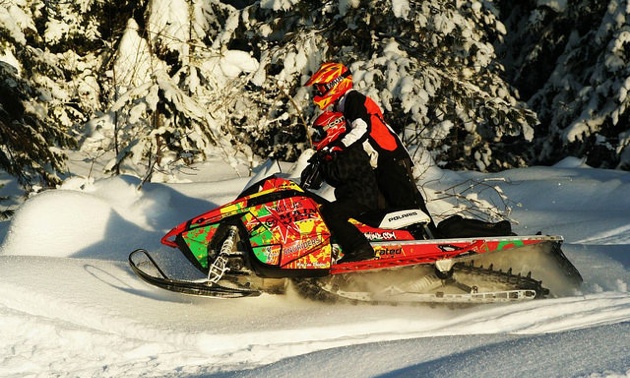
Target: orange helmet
331,81
327,128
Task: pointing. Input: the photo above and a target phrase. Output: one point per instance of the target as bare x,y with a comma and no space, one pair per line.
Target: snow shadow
144,222
106,221
543,352
570,353
117,283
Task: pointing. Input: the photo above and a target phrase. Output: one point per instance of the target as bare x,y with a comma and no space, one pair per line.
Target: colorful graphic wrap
294,225
286,232
198,240
432,250
405,252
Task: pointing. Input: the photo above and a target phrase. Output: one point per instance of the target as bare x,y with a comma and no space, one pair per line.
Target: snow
71,306
133,68
278,4
558,6
12,17
169,25
401,8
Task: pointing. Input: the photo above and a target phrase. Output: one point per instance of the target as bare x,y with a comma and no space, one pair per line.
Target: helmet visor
320,89
317,135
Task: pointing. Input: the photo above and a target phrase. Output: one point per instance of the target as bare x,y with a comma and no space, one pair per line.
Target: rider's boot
363,252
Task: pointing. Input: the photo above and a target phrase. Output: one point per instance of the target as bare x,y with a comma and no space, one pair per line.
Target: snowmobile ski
201,287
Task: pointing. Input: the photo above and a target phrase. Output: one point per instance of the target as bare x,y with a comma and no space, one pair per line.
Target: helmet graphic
331,81
327,128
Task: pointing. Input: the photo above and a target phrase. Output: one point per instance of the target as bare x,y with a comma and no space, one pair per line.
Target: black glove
311,176
331,151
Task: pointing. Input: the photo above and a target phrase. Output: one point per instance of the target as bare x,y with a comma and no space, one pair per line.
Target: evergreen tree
429,64
571,61
44,83
27,142
163,83
168,88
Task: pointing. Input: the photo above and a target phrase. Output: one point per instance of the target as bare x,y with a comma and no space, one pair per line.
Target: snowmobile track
509,287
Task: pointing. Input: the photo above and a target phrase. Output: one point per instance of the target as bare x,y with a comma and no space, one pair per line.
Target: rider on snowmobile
348,170
368,129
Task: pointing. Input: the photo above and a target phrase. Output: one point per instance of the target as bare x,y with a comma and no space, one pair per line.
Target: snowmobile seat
395,219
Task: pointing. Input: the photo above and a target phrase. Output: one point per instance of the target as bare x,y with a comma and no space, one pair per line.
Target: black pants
336,215
395,180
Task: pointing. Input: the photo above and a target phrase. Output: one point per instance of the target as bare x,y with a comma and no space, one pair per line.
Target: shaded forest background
154,85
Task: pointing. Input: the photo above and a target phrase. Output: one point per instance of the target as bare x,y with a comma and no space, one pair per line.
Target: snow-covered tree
28,145
430,65
161,83
571,62
169,86
31,136
47,84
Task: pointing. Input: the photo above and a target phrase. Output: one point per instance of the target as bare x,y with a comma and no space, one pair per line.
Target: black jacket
350,173
367,122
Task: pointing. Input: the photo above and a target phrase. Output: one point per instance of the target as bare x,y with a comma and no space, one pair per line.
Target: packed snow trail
65,307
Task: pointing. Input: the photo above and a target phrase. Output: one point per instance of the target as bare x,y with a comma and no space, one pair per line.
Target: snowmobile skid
273,235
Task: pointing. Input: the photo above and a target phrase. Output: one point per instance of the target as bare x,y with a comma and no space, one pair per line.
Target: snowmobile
272,237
